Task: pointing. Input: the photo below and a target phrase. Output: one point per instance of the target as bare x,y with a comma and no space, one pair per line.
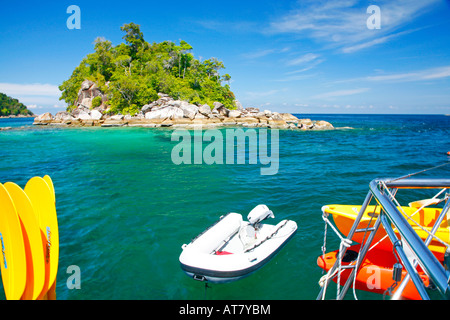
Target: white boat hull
231,249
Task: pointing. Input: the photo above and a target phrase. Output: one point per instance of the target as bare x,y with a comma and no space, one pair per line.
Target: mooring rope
416,173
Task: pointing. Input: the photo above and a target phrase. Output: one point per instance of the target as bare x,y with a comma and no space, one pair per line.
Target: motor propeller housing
259,213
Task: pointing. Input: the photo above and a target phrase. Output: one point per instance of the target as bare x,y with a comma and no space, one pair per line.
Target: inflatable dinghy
232,249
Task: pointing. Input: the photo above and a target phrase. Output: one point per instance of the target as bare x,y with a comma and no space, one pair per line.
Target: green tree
129,94
5,112
96,102
132,73
103,59
227,78
133,37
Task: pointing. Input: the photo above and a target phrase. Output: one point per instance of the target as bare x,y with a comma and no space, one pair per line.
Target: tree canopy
12,107
132,73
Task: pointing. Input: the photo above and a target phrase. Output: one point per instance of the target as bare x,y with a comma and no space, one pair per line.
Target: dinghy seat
248,235
218,235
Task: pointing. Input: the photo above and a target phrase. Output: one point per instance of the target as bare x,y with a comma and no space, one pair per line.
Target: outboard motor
249,233
258,214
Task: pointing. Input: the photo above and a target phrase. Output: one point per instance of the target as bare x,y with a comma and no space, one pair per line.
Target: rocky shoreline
18,116
168,112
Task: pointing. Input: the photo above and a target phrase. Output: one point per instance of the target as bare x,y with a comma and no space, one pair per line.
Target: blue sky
285,56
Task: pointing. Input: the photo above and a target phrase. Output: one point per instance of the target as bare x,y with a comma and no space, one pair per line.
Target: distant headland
12,108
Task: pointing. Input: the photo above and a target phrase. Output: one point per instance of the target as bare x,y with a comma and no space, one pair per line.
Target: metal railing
429,263
382,190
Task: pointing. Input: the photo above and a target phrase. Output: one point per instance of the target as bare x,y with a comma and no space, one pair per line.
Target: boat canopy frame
383,191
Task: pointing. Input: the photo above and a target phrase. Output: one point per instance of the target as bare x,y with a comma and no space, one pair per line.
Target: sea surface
125,209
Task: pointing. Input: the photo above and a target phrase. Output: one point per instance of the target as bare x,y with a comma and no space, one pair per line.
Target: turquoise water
124,209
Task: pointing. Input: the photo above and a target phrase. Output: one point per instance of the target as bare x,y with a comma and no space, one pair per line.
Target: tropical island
157,85
10,107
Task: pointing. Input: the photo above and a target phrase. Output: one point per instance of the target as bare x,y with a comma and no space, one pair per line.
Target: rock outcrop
167,112
87,93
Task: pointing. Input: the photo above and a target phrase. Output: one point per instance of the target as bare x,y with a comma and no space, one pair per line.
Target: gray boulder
87,92
204,109
63,116
238,105
189,110
252,110
165,113
234,114
80,109
83,115
323,125
44,117
147,108
96,115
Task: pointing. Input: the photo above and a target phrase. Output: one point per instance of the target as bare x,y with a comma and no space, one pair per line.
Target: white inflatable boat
232,249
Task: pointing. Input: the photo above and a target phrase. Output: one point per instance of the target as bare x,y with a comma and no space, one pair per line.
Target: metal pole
401,253
417,183
436,226
361,257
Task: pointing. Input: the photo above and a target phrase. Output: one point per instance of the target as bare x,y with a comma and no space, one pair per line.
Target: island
10,107
157,85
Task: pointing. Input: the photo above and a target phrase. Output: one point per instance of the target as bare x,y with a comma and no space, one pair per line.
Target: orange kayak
344,217
375,272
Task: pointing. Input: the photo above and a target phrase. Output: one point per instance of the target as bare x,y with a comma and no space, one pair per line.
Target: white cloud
347,107
368,44
258,54
343,23
263,53
296,77
428,74
308,67
36,89
416,75
340,93
306,62
302,59
398,76
34,106
437,73
35,96
261,94
39,100
227,26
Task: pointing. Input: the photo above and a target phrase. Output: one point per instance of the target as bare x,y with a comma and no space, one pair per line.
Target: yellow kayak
32,239
42,197
13,257
345,215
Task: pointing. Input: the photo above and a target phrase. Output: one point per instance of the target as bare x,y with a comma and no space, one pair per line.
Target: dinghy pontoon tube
232,249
